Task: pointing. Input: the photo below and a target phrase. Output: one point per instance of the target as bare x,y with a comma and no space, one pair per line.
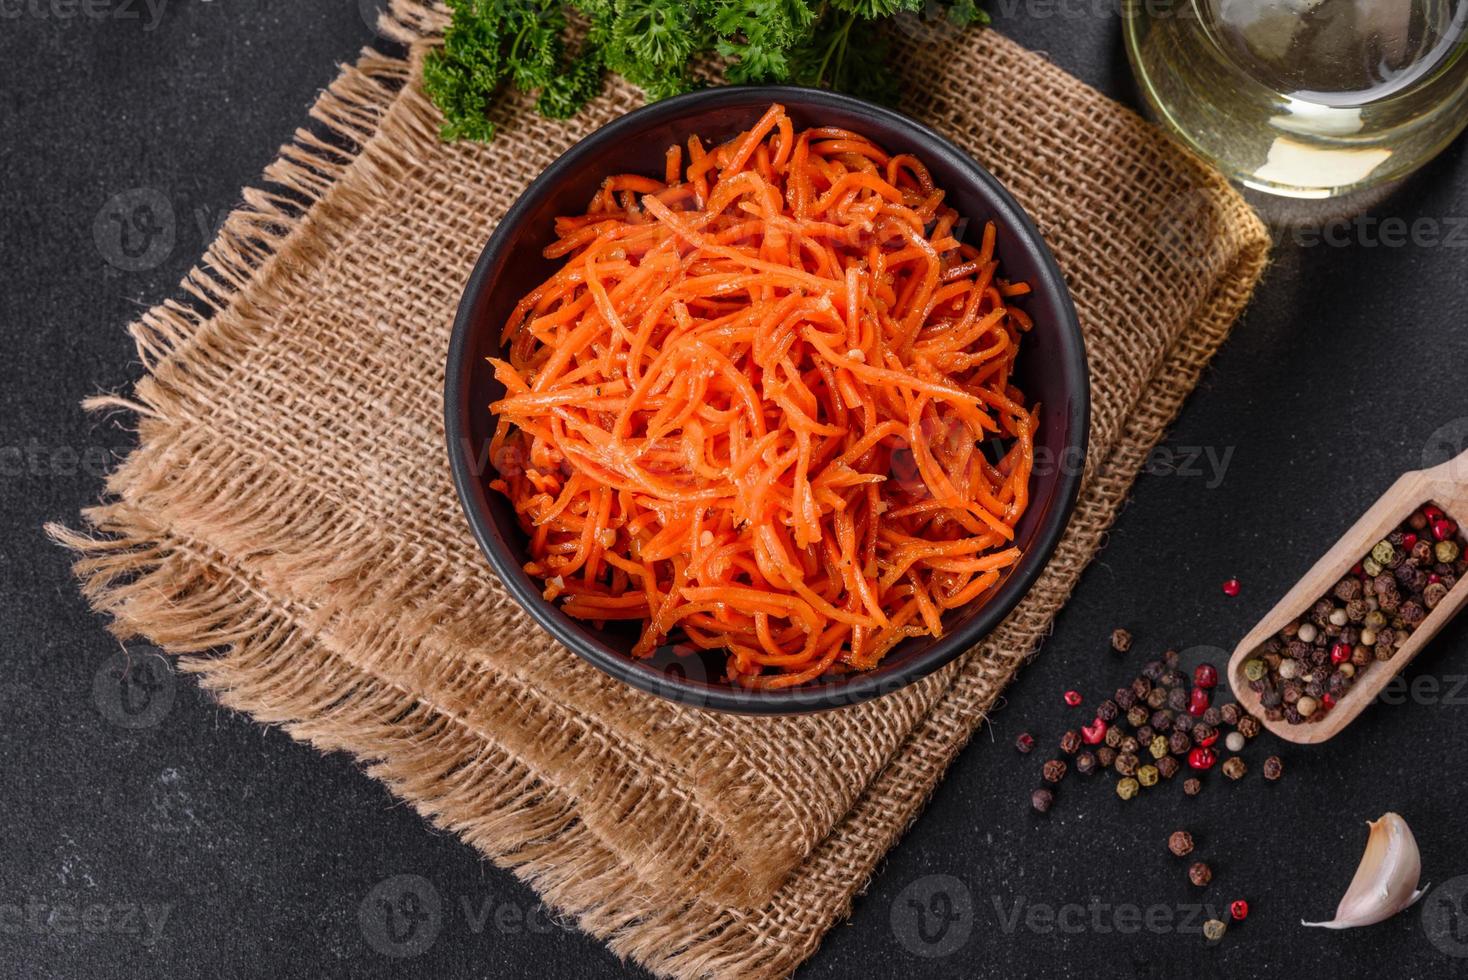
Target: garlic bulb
1386,880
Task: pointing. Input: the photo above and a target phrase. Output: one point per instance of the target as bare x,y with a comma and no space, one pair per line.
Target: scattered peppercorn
1239,910
1192,786
1025,742
1147,775
1105,756
1073,698
1121,640
1205,675
1180,843
1070,742
1273,768
1234,767
1126,764
1248,726
1167,767
1041,799
1054,771
1107,710
1200,874
1214,930
1235,742
1085,763
1157,747
1127,788
1094,733
1231,587
1202,758
1231,713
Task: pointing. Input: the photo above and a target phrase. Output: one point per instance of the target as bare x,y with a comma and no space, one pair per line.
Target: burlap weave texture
287,524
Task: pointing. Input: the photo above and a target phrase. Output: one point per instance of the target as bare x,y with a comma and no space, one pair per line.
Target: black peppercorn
1204,732
1114,736
1269,697
1157,697
1041,799
1274,714
1161,720
1172,679
1107,711
1180,843
1172,658
1070,742
1128,744
1167,767
1127,763
1124,698
1136,715
1273,768
1054,771
1192,785
1230,713
1184,722
1085,763
1177,699
1144,734
1212,716
1412,614
1292,714
1141,687
1105,756
1314,689
1248,726
1178,743
1200,874
1338,685
1121,640
1347,589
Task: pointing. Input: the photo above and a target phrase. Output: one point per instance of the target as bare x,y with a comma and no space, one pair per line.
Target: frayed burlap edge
191,600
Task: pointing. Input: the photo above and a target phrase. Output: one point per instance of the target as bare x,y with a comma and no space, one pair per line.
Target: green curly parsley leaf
652,43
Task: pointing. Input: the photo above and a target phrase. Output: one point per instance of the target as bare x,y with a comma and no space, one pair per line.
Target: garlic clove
1386,879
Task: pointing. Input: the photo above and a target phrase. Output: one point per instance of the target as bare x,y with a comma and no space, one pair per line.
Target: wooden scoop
1445,486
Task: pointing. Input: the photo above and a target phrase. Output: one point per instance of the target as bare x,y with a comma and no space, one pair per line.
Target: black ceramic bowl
1051,370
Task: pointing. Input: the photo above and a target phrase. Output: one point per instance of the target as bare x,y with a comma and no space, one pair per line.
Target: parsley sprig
533,46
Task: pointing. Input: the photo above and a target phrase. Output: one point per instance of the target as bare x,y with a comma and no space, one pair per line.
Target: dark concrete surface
185,841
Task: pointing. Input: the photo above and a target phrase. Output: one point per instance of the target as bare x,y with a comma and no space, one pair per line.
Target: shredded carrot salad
752,406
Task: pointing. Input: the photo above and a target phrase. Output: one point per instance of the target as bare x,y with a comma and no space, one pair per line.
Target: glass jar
1305,98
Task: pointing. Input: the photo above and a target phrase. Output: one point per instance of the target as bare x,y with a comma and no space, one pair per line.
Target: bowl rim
850,688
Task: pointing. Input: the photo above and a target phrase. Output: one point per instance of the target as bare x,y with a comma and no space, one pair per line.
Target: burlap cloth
287,525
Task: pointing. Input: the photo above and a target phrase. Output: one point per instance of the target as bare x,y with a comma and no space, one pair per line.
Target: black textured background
1346,371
